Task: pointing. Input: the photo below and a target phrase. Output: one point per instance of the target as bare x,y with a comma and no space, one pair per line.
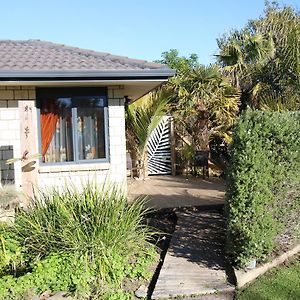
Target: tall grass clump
95,223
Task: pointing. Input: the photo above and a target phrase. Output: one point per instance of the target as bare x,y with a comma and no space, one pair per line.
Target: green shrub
11,251
54,273
62,272
96,223
85,242
263,182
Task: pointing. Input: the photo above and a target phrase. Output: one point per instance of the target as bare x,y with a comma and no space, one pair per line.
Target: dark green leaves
263,183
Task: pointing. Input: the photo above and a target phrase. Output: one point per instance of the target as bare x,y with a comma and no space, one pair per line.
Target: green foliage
205,106
96,223
139,268
143,119
65,272
263,59
84,242
55,273
263,182
11,251
118,294
178,63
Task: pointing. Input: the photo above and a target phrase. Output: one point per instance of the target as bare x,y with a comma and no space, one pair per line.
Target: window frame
74,92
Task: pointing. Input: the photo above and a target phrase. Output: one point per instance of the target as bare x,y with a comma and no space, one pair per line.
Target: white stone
14,125
117,112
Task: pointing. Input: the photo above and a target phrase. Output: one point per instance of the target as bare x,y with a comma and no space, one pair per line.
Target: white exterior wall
10,127
117,140
114,170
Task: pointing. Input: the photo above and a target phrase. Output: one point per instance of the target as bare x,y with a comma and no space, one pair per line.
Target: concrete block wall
117,140
60,178
7,173
10,127
10,136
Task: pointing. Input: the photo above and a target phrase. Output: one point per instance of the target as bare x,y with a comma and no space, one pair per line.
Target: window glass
72,128
90,133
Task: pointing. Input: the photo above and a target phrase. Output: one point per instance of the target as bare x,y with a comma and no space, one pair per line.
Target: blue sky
135,28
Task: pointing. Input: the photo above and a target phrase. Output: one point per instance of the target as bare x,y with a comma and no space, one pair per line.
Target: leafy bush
85,242
65,272
54,273
11,252
263,182
97,223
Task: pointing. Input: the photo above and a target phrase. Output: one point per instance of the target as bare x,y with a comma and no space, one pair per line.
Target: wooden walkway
195,264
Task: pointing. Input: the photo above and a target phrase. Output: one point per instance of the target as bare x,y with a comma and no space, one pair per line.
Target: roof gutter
78,75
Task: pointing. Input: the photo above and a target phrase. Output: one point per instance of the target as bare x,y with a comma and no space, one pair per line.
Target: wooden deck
177,191
195,263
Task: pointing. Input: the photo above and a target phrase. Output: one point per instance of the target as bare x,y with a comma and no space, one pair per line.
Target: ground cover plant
280,283
263,201
85,242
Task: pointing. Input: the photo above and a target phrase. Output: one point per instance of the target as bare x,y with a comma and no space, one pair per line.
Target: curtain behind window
49,118
56,130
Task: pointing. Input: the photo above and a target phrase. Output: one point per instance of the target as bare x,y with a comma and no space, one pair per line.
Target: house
62,112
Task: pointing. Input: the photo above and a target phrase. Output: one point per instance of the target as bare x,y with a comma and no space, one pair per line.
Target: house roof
40,63
36,55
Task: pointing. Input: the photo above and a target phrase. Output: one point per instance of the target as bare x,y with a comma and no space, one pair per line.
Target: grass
281,283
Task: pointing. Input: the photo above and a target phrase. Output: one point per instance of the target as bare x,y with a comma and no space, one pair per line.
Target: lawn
281,283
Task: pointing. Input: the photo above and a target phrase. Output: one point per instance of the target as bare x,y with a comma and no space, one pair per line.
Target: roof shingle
36,55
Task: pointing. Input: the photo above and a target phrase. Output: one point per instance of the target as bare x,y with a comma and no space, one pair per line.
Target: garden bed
89,243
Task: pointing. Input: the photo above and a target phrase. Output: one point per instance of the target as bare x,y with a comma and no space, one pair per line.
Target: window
73,124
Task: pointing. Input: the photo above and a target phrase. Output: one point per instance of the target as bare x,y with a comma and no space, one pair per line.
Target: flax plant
96,223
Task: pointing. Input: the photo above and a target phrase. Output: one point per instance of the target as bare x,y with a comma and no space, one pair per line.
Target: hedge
263,183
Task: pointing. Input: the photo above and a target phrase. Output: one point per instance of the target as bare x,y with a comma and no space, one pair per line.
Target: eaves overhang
135,83
78,75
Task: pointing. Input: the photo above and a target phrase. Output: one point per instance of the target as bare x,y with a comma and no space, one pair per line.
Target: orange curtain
49,118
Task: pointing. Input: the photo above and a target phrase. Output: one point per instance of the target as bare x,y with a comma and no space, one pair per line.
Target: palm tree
263,60
206,104
203,102
142,117
242,56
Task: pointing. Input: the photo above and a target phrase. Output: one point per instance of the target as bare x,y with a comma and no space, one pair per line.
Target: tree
142,117
179,63
203,102
263,59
